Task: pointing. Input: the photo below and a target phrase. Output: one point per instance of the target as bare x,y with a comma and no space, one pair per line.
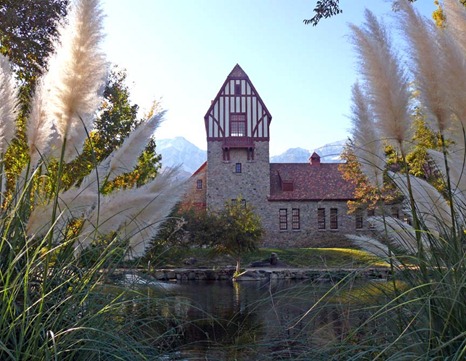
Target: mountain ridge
181,152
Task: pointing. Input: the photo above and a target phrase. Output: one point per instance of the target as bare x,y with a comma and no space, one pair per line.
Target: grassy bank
292,257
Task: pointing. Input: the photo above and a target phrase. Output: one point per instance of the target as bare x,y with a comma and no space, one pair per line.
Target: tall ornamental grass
53,305
424,316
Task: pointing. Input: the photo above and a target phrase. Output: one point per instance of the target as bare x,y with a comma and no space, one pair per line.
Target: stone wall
224,183
253,184
269,274
308,234
196,197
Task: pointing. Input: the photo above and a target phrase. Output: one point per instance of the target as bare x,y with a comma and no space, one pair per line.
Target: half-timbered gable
237,117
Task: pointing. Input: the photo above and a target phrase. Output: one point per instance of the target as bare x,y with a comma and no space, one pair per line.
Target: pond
224,320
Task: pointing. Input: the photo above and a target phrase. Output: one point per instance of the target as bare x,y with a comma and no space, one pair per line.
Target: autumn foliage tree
417,162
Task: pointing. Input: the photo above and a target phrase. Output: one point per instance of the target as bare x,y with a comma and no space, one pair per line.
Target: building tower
238,132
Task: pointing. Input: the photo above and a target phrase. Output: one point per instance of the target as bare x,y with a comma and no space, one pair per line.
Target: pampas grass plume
370,245
126,156
76,77
8,105
431,207
400,234
131,211
386,82
73,203
455,13
366,145
40,130
425,54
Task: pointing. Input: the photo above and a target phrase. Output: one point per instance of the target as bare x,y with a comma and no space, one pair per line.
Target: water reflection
222,320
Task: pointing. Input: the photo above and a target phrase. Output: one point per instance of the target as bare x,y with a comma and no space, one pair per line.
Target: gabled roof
238,73
322,182
201,168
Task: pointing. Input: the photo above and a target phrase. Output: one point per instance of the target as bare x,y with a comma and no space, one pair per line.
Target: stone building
300,204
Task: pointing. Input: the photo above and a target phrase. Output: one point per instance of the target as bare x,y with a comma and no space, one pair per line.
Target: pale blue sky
181,51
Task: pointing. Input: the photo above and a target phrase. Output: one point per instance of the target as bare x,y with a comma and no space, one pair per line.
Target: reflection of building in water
299,204
225,321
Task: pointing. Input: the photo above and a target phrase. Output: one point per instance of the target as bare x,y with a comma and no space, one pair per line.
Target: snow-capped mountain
329,153
180,152
292,155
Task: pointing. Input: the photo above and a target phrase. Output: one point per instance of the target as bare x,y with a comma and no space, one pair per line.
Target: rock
248,276
259,264
190,261
160,275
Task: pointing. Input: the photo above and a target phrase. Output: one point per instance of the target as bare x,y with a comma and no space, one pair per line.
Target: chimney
315,159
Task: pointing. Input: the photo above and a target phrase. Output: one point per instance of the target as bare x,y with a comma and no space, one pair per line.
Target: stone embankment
268,273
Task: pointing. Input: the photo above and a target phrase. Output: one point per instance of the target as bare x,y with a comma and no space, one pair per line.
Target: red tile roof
322,181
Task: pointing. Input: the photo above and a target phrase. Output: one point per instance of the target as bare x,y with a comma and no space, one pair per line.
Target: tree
235,230
117,115
183,229
118,118
241,230
366,195
28,29
325,9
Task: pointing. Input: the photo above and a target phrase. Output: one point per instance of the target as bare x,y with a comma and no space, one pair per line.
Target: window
283,219
321,218
295,219
238,125
359,220
238,168
240,201
333,218
199,184
237,89
395,213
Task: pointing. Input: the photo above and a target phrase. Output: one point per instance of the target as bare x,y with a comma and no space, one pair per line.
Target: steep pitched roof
237,73
316,182
201,168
